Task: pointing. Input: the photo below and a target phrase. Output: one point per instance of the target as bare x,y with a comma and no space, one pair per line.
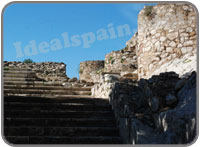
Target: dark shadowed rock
180,84
180,122
154,112
154,103
74,79
170,99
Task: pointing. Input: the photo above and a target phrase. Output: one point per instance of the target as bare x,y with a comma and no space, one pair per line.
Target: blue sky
40,26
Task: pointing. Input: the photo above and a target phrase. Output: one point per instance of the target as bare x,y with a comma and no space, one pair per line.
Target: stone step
56,106
51,92
38,83
18,72
59,99
18,79
61,131
7,68
48,95
59,122
46,87
58,114
20,75
63,140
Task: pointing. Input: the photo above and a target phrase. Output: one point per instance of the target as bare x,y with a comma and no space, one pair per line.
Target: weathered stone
74,79
169,49
180,45
153,32
111,78
188,43
141,133
146,49
189,49
150,67
157,35
164,55
170,99
184,34
154,103
182,115
83,81
90,70
172,35
157,44
172,44
184,50
120,61
189,29
185,7
162,38
192,33
46,71
180,84
156,59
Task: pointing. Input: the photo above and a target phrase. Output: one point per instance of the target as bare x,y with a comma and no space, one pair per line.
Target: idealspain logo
67,40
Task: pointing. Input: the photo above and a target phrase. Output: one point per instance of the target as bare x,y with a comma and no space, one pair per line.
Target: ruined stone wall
161,100
163,108
90,70
47,71
121,61
165,32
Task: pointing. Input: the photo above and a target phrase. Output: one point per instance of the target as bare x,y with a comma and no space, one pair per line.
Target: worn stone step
38,83
18,72
59,99
51,92
61,131
58,114
59,122
18,79
20,75
56,106
63,140
46,87
8,68
48,95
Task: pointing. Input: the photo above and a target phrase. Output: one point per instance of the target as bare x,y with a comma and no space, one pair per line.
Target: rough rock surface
104,88
154,112
124,60
182,66
90,70
47,71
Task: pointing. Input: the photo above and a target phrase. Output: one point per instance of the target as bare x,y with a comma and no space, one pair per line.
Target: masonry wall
167,33
90,70
48,71
124,60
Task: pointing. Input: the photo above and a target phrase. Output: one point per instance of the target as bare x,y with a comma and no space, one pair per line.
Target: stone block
188,43
172,44
162,38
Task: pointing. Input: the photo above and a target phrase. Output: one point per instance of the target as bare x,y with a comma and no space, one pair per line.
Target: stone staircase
38,112
23,82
